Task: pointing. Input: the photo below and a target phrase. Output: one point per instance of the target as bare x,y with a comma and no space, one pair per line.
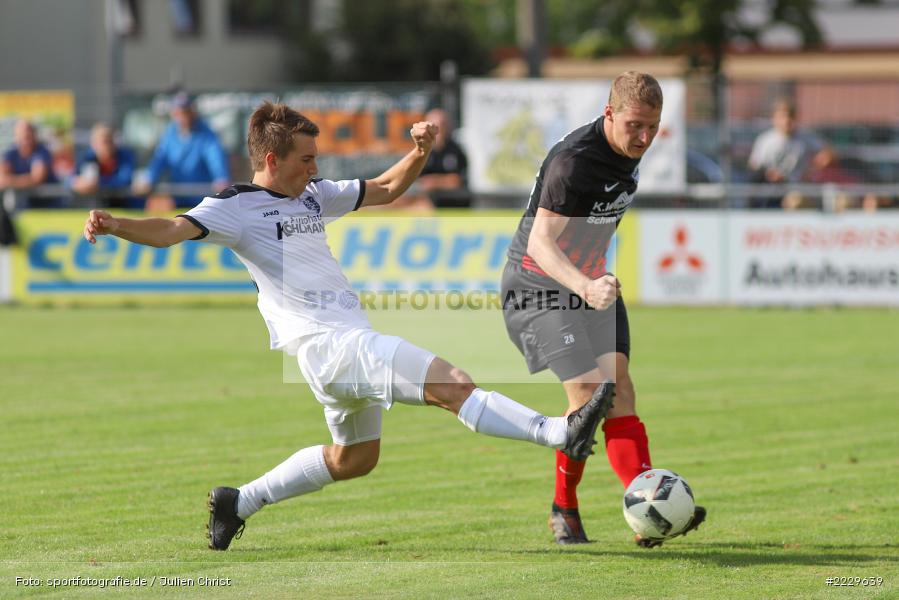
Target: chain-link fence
850,128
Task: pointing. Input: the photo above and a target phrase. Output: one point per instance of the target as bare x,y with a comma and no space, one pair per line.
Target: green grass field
116,422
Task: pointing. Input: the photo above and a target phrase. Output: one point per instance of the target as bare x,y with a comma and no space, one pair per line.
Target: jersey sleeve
340,197
758,156
557,194
218,219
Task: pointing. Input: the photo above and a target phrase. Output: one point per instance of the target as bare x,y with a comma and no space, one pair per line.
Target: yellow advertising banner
378,250
52,111
55,263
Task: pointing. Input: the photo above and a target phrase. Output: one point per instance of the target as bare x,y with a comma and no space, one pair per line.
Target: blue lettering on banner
96,257
191,262
37,251
411,258
133,252
463,245
229,260
376,249
90,287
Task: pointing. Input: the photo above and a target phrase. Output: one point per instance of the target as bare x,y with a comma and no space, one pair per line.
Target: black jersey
582,178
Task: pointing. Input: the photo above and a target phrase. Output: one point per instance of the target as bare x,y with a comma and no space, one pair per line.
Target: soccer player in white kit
276,227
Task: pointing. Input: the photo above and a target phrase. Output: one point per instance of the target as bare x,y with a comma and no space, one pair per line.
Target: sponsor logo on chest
604,212
305,224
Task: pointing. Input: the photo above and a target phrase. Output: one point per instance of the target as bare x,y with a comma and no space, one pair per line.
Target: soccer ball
658,504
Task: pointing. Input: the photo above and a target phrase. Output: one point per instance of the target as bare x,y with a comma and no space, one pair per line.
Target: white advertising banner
680,257
813,258
509,126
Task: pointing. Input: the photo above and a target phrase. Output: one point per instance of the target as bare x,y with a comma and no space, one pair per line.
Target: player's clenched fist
423,134
99,222
601,293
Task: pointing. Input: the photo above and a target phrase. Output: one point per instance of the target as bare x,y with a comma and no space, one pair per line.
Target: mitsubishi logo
681,253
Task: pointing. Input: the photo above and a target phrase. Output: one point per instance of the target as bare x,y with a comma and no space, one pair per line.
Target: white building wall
159,58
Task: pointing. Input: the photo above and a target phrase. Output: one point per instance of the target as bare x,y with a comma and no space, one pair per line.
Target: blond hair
271,129
632,89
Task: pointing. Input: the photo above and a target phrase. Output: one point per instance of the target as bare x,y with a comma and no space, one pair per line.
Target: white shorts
356,373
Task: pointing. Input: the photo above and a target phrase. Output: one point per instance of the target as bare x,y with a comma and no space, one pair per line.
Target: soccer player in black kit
563,309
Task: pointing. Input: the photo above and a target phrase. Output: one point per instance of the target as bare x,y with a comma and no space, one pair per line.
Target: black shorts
555,327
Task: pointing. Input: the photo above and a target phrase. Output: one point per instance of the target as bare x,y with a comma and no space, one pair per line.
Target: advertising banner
510,125
55,263
680,257
51,111
805,259
458,250
380,251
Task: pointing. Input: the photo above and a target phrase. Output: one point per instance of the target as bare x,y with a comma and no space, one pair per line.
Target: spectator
442,181
106,166
190,152
28,164
785,154
871,203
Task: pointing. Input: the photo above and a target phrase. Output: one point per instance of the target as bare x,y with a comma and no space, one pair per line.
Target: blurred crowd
188,156
191,161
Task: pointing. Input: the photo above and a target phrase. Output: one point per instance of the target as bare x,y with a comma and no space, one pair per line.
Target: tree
706,28
393,40
702,29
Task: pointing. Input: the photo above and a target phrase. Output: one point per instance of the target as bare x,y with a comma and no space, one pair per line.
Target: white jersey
283,244
791,155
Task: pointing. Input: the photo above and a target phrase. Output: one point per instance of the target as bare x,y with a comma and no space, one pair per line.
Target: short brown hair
632,88
272,127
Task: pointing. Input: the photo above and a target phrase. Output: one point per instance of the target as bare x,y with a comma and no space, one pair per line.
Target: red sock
568,475
627,447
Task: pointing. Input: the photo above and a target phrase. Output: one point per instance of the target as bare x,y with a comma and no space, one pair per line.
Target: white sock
491,413
302,473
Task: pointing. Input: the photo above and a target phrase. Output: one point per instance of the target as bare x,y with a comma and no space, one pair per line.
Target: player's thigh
411,369
347,370
350,429
609,332
560,340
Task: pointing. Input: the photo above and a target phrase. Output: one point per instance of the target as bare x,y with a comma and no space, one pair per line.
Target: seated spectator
785,154
443,179
106,166
28,164
189,152
872,203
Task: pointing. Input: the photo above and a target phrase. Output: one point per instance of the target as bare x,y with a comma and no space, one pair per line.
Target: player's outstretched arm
158,232
390,185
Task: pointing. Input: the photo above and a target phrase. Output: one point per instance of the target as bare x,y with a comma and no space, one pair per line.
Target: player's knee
460,377
459,389
348,462
447,386
366,464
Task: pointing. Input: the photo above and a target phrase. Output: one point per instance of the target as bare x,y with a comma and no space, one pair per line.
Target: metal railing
827,197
